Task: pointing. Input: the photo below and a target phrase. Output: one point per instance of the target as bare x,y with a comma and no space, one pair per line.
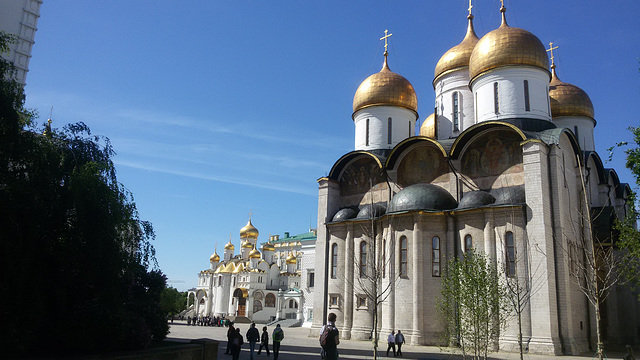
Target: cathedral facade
259,286
498,168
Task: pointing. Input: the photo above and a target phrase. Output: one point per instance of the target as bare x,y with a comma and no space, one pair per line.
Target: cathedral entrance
241,297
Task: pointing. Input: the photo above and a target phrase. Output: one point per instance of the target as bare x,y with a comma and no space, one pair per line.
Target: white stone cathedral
497,169
259,286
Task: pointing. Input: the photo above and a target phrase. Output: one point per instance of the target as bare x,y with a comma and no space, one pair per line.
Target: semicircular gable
339,165
356,173
399,149
552,136
611,173
592,157
422,162
466,136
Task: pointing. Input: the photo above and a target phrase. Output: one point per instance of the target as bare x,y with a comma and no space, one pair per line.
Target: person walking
264,341
391,343
253,336
399,342
236,344
230,333
278,336
330,338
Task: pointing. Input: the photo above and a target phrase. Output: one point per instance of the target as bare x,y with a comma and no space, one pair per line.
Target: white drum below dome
383,127
522,92
582,127
454,103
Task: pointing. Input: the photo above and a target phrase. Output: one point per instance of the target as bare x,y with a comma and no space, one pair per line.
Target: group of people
235,341
394,340
207,321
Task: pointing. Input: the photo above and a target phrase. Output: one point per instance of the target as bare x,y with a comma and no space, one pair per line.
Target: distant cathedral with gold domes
275,284
496,169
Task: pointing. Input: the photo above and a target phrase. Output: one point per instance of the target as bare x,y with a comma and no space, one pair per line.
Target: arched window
496,102
468,245
389,131
293,304
258,295
510,248
257,306
270,300
456,120
403,256
334,261
363,259
367,135
435,256
526,96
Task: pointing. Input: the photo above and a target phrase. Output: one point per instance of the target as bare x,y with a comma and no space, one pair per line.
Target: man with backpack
330,338
278,336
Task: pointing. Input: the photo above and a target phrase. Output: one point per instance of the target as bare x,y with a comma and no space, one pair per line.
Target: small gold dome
254,254
215,257
249,231
291,259
567,99
385,88
268,247
247,245
507,46
428,127
458,56
229,246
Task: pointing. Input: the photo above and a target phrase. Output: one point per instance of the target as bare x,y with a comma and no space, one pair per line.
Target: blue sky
221,108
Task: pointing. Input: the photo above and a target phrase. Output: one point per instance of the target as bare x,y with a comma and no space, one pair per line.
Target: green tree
473,305
173,301
77,269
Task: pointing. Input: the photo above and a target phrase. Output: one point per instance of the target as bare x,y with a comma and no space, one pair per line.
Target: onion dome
215,257
229,246
291,259
422,197
567,99
428,127
249,231
459,55
507,46
268,247
247,245
254,254
385,88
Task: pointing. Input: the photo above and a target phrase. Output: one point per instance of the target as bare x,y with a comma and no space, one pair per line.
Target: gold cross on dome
250,213
386,35
470,7
502,3
550,50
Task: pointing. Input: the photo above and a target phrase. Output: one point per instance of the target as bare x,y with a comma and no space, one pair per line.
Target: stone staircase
286,323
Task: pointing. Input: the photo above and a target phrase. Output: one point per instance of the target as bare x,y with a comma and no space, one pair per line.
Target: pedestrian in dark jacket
264,341
278,336
230,333
399,342
253,336
236,344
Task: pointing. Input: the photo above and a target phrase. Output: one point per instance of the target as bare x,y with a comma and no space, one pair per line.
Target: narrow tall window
409,128
367,135
468,245
403,256
435,256
363,259
389,131
510,247
384,257
526,96
456,120
334,261
575,132
475,107
496,102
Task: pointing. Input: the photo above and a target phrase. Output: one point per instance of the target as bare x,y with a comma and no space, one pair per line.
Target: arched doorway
241,296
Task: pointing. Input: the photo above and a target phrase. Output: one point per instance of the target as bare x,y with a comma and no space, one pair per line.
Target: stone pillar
417,275
279,304
249,306
348,285
490,238
388,307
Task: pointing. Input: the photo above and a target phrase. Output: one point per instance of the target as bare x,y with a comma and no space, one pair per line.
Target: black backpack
328,337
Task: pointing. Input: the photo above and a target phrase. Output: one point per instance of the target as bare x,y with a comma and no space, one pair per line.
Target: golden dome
247,245
254,254
385,88
249,231
428,127
215,257
291,259
268,247
567,99
507,46
229,246
458,56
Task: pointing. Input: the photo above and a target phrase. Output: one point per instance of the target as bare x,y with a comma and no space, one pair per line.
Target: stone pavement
299,346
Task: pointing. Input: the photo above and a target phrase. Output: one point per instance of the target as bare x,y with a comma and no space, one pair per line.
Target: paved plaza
299,346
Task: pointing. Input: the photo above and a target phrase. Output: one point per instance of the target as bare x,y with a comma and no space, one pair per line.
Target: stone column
348,285
417,275
490,237
388,307
249,306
